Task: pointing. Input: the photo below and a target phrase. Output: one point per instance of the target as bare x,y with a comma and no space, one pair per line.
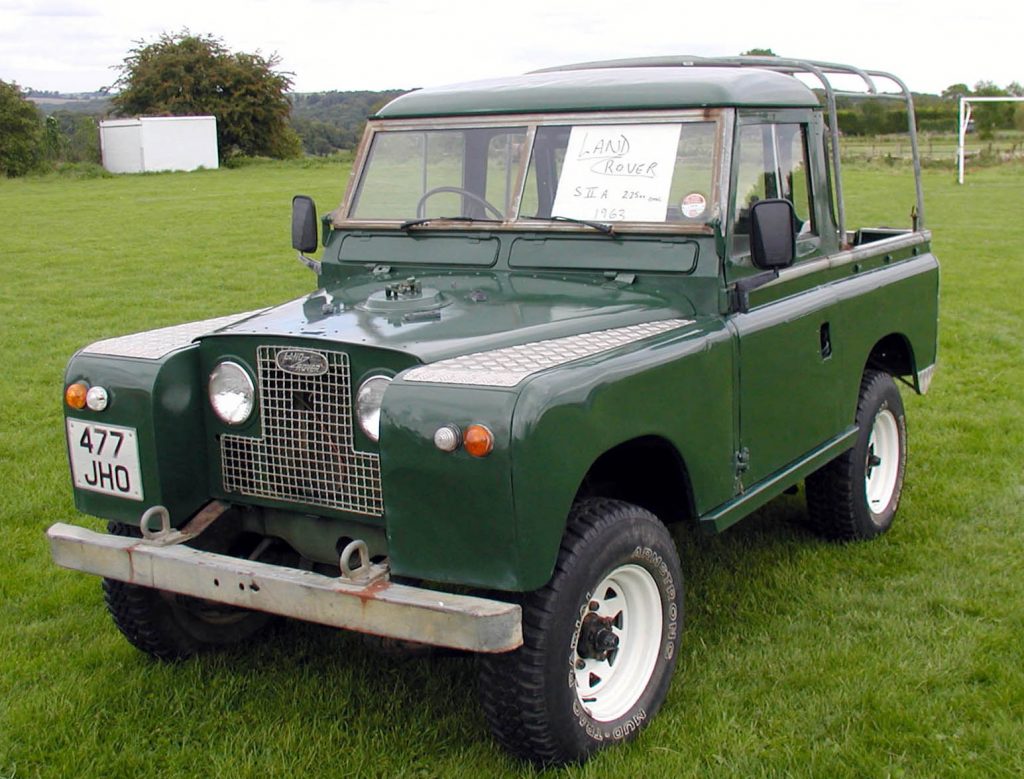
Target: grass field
901,657
935,148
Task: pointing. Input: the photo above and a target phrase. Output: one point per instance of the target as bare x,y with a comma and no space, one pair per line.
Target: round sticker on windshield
694,205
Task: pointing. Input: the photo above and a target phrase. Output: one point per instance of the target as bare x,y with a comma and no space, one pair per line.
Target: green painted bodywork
612,89
732,408
163,400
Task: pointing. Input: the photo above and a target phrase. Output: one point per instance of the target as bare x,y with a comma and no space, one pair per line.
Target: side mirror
772,234
304,224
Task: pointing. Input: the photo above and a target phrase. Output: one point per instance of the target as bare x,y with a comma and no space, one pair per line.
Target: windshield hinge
618,277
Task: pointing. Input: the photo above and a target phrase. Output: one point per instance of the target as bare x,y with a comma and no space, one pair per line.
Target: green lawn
934,147
901,657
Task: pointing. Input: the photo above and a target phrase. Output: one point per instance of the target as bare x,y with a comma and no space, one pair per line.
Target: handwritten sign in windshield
617,173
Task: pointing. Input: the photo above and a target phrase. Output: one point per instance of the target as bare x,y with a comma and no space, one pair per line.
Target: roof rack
820,71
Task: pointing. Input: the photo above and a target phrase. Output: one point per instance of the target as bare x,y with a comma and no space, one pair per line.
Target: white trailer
152,143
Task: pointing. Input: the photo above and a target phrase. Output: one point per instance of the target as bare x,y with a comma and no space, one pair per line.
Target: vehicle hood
459,314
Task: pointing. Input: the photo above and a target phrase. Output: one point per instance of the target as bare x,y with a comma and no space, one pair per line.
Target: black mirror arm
314,265
743,287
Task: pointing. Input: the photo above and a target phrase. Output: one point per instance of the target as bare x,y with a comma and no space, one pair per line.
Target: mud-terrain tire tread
165,625
138,615
511,684
835,492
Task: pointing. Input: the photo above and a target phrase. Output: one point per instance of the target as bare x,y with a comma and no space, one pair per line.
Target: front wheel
855,496
173,627
599,640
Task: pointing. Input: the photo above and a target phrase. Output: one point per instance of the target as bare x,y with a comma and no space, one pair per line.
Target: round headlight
232,393
368,401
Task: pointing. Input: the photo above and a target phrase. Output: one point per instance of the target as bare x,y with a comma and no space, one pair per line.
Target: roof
607,89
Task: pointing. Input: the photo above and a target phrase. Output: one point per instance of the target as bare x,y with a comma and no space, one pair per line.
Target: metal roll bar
819,70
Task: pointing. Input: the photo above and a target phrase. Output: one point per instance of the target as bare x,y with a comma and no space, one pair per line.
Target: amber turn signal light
75,394
478,440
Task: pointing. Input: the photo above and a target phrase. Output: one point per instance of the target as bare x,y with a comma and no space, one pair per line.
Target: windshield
642,172
413,174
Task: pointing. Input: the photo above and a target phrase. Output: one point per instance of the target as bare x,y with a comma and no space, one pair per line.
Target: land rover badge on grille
302,362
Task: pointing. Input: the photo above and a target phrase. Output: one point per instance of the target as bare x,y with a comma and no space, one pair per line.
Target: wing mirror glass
772,234
304,224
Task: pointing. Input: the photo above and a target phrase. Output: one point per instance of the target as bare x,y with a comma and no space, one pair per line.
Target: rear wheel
599,640
170,626
855,496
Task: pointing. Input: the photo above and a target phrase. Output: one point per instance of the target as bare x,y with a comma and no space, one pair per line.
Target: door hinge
741,462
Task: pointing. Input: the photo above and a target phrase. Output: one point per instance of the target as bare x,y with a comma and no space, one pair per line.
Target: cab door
787,371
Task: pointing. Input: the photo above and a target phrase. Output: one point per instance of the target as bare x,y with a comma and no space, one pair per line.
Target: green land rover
554,314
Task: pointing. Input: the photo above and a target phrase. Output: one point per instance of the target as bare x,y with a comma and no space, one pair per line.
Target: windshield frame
723,118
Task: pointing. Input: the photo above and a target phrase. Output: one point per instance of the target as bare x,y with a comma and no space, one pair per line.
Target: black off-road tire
843,502
533,698
173,627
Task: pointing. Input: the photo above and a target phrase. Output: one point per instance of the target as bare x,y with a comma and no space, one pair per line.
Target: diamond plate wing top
154,344
509,366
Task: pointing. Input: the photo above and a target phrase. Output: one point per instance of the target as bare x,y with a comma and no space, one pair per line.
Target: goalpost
965,118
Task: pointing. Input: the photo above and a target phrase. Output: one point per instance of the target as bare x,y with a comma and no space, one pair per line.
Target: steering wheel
421,205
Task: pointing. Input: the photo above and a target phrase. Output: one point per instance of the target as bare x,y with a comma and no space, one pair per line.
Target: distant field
901,657
934,147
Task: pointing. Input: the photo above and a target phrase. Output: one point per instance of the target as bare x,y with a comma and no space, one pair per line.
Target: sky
71,45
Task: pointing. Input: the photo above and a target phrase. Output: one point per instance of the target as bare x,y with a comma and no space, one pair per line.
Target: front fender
567,418
161,399
450,516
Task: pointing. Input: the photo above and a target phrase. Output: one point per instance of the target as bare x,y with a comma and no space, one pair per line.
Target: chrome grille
307,453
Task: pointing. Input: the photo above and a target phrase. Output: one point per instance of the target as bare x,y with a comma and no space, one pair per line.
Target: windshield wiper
413,222
601,227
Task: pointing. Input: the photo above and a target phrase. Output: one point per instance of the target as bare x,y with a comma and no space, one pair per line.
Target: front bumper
381,607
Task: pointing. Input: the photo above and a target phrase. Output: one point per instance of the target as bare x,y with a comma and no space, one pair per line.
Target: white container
152,143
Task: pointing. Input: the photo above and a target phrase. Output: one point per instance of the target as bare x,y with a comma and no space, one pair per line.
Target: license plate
105,458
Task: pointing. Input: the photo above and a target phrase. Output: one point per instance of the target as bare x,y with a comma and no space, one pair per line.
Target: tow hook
168,536
356,566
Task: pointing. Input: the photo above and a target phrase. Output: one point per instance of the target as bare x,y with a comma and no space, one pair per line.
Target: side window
771,162
792,144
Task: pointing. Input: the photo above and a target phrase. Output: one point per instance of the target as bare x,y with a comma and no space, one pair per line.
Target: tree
759,53
956,91
20,132
182,74
70,137
988,117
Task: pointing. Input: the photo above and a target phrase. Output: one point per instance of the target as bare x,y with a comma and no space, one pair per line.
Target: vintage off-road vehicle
555,314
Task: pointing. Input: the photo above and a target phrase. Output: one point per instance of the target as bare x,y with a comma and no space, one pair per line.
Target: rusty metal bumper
379,607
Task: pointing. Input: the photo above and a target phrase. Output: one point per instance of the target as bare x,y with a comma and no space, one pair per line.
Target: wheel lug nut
594,605
580,665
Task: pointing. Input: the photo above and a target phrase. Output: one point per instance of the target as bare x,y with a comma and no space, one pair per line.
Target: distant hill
93,103
329,121
325,121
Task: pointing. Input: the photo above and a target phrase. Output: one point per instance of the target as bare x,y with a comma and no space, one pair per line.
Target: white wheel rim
882,466
628,599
